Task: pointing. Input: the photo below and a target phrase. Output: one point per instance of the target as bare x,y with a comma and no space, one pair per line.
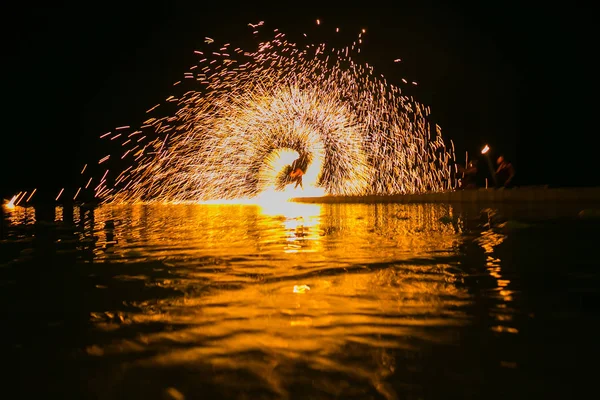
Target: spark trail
242,117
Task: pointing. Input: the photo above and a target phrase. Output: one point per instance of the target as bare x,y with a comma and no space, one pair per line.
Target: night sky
511,75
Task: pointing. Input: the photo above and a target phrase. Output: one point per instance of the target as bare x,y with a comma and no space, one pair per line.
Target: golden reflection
213,230
489,240
18,215
291,210
335,232
364,282
58,214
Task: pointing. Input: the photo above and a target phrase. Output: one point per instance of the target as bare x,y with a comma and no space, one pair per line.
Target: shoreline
583,195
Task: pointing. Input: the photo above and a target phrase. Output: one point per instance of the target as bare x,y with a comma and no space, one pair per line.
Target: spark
20,197
153,108
236,129
31,195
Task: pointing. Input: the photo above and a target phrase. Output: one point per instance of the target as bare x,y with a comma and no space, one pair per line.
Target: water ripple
332,302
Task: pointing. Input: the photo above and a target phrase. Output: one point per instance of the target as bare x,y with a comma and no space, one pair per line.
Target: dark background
514,75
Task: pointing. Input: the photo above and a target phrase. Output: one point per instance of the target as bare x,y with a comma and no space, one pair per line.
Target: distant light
318,22
485,149
364,31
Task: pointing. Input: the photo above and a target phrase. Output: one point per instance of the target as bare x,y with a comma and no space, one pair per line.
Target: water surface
300,301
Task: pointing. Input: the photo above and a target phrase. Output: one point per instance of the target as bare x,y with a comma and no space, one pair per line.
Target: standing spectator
505,172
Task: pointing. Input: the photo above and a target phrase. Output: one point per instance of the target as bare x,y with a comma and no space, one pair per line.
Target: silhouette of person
296,176
469,175
297,171
505,172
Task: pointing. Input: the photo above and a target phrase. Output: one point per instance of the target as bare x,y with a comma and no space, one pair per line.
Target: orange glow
11,203
485,149
17,214
234,286
284,282
414,228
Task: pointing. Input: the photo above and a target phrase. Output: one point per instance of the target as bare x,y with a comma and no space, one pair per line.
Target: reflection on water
362,288
334,234
489,240
285,301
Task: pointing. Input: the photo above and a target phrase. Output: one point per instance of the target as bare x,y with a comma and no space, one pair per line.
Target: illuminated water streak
230,135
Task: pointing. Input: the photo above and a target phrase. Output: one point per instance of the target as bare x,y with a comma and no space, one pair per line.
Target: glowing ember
244,117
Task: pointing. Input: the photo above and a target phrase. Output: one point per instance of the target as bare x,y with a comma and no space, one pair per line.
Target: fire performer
296,174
